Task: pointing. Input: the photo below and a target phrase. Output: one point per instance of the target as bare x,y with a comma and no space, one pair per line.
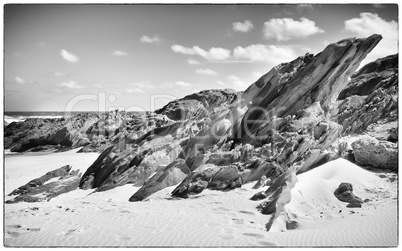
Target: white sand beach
211,219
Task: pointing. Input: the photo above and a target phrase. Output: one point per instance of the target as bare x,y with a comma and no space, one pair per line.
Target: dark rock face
36,190
62,171
371,98
173,174
344,193
378,74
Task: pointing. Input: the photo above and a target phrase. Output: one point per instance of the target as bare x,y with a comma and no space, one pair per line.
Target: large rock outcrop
372,152
134,158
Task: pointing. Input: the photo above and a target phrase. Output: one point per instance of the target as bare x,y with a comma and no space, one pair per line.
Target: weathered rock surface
378,74
369,103
62,171
318,79
199,105
65,132
45,191
94,132
171,175
381,154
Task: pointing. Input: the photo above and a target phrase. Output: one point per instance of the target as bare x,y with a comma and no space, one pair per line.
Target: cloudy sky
139,57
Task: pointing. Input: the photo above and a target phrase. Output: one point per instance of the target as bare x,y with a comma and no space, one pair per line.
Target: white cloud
192,61
325,43
220,82
150,40
176,84
99,86
42,44
378,6
119,53
253,53
238,84
243,27
69,56
135,90
283,29
257,74
183,84
206,72
20,80
59,74
264,53
214,53
143,85
370,23
71,84
301,7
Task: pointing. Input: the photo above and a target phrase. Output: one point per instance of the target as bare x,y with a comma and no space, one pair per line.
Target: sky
139,57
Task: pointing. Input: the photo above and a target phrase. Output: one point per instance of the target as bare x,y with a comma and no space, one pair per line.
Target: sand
212,218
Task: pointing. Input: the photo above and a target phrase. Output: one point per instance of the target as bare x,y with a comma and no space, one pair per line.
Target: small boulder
259,196
344,193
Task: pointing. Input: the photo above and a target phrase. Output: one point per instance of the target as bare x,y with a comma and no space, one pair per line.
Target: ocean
10,117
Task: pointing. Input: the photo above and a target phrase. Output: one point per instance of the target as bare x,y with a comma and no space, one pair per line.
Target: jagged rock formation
37,190
370,101
171,175
62,171
136,157
199,105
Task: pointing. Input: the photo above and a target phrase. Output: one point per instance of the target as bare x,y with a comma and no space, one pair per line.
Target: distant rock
35,132
381,154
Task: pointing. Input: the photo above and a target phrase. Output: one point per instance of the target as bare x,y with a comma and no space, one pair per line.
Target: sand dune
212,218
